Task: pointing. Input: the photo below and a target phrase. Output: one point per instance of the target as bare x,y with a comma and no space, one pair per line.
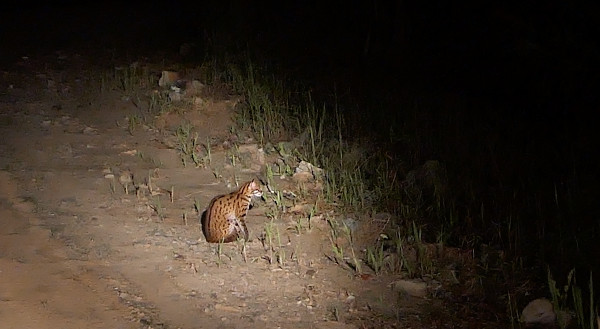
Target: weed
216,171
274,252
268,240
234,155
338,249
375,258
280,249
208,158
158,208
335,313
133,121
365,177
187,145
112,186
585,319
512,310
197,206
219,253
404,258
278,200
356,261
338,235
269,174
159,102
243,247
298,225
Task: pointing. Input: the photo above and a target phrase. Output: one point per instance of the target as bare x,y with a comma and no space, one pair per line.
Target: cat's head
252,188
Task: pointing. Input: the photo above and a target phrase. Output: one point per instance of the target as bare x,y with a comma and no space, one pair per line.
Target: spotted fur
224,219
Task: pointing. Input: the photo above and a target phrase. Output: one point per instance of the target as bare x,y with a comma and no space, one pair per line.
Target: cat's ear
254,184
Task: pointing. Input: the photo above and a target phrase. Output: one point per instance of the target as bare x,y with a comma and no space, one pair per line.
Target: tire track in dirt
40,287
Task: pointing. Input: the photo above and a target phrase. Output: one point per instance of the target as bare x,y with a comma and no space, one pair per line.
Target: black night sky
512,87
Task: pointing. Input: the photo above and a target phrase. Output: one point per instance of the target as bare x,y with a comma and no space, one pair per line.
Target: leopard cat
224,219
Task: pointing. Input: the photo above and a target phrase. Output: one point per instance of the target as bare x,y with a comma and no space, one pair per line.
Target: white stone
538,311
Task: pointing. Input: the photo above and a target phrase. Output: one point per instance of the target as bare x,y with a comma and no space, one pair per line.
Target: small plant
269,173
197,206
219,253
242,246
133,121
350,239
313,210
208,158
336,246
280,249
187,145
274,252
216,171
158,208
404,259
585,319
375,258
425,262
234,155
278,200
268,241
298,225
112,186
335,312
512,311
339,235
295,256
159,102
559,297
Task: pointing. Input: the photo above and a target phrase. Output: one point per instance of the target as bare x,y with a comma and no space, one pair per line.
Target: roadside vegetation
423,173
447,176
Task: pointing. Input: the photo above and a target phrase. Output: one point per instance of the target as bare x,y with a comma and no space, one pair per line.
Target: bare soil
79,250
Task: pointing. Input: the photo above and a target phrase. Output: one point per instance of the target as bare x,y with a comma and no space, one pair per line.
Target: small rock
538,311
194,88
302,177
351,224
411,288
298,209
168,78
257,154
350,300
226,308
90,131
129,152
304,166
175,96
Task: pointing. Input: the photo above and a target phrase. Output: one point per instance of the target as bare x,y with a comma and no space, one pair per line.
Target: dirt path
77,251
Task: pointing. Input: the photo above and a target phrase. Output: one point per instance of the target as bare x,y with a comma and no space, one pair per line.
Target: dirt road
79,250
